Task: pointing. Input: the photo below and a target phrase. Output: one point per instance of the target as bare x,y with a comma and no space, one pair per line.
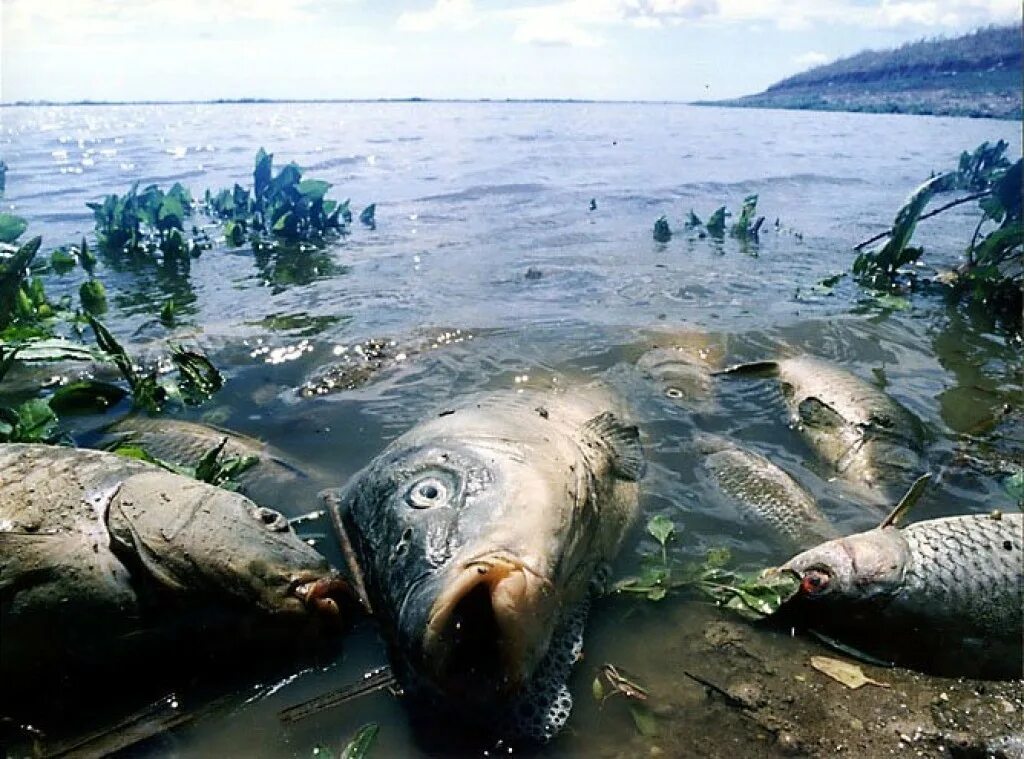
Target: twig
922,217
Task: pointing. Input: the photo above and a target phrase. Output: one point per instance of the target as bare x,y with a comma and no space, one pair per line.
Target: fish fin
137,548
752,369
335,506
624,442
907,502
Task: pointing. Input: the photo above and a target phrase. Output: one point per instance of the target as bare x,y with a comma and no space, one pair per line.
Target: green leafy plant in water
198,378
748,224
716,222
284,206
662,231
25,311
610,682
993,272
213,466
357,748
11,227
751,595
140,223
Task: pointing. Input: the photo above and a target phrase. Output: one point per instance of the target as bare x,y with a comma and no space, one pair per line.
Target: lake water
470,197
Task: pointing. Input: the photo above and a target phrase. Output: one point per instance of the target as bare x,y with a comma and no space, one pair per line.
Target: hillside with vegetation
977,75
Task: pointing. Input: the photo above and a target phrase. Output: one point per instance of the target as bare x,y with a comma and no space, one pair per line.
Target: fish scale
963,564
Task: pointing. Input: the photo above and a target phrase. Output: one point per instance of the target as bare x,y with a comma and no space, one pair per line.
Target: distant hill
978,75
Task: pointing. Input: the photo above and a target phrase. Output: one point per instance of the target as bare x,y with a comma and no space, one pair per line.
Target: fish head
851,570
208,542
457,547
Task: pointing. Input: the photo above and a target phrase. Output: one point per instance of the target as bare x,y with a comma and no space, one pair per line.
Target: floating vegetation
753,596
198,378
746,228
992,273
213,466
282,207
148,222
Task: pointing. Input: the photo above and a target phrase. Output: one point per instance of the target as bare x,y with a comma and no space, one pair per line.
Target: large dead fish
867,437
185,443
479,533
101,555
681,362
942,595
765,491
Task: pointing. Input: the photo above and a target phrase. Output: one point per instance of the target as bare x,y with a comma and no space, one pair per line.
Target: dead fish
682,363
863,434
184,443
358,364
98,552
764,490
479,533
943,595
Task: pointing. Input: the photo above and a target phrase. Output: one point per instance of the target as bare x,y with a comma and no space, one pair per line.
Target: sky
65,50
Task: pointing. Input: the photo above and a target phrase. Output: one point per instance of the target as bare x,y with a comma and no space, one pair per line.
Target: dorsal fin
906,502
623,440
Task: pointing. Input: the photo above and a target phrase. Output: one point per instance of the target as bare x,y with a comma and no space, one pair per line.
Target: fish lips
324,595
487,627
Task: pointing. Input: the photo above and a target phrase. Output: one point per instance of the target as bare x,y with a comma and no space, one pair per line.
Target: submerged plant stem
922,217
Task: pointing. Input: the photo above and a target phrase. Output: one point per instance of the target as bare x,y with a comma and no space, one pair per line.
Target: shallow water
470,196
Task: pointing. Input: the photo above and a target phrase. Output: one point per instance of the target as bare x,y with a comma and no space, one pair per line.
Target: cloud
811,58
459,15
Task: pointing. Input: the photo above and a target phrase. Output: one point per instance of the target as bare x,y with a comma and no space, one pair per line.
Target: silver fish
682,362
863,434
97,551
480,530
764,491
945,595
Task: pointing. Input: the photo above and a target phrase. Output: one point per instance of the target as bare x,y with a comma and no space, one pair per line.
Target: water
470,197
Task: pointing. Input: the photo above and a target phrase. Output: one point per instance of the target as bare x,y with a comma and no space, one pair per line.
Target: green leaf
110,346
692,220
57,349
262,172
661,528
234,233
368,216
743,227
62,260
891,302
597,689
13,271
86,257
86,396
662,232
361,743
199,377
716,222
167,312
94,296
36,421
717,558
643,719
314,189
11,227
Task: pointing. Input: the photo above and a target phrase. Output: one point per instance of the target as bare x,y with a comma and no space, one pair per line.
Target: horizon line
413,99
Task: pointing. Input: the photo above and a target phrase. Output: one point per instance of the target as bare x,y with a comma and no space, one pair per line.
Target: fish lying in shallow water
868,438
184,443
101,558
943,595
763,490
479,533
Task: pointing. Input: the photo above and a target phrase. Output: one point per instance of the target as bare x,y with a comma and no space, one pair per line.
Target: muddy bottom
761,697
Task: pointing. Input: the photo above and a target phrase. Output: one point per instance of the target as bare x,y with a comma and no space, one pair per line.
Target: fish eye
815,581
272,520
427,492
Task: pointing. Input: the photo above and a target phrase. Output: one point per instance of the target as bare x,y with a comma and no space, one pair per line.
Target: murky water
471,196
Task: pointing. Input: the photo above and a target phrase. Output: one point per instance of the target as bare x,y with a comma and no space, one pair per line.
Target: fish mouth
486,630
323,595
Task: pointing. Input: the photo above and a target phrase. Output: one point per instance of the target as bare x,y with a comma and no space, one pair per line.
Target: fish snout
323,595
488,627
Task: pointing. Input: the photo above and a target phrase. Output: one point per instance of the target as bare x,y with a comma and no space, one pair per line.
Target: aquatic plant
357,748
197,380
751,595
745,229
142,223
282,207
213,466
992,272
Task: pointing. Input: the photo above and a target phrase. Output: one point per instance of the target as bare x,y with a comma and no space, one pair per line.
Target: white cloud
459,15
811,58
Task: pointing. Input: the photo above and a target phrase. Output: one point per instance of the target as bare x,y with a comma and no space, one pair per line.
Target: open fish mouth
321,594
486,630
